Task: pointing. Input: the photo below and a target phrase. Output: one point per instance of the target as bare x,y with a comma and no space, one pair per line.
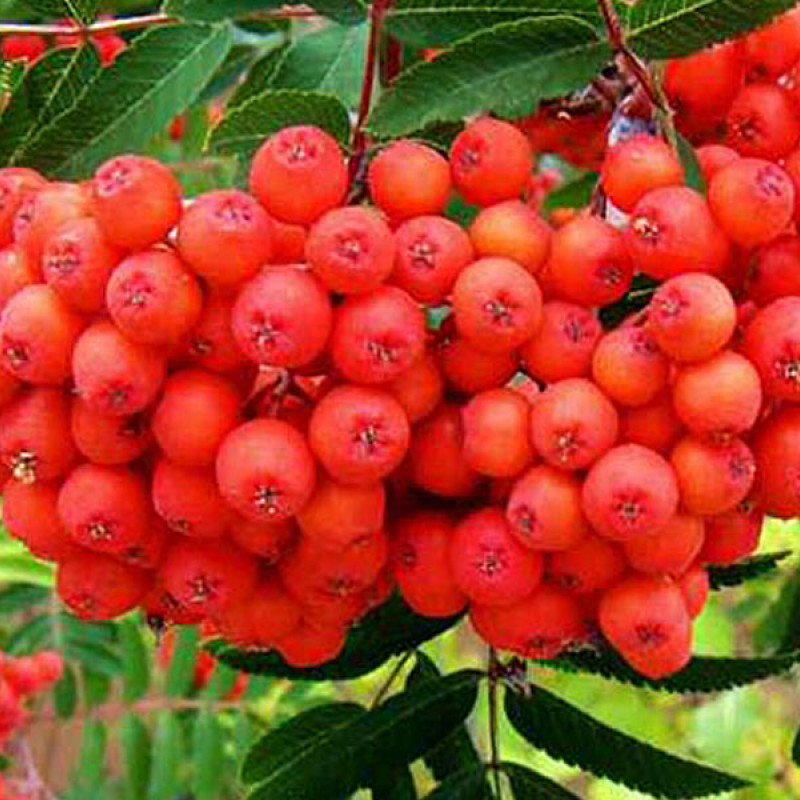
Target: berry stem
377,13
393,676
616,38
494,671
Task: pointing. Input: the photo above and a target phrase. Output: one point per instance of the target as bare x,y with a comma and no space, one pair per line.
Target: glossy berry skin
593,564
351,250
762,122
135,182
359,434
629,493
672,231
225,236
377,336
431,252
513,230
469,370
773,49
496,441
544,509
419,389
305,156
733,535
497,305
776,456
38,332
265,470
573,423
95,586
636,166
563,346
196,412
490,162
488,563
752,200
540,626
282,317
436,455
775,270
589,263
77,263
772,343
692,317
672,551
421,564
113,375
153,299
645,618
211,343
408,179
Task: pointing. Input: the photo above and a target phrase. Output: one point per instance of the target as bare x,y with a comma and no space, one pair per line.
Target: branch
616,38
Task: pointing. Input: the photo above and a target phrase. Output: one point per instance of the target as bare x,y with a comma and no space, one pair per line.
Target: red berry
491,161
408,179
351,250
734,534
777,456
300,156
137,201
105,439
672,550
113,375
225,237
592,565
489,564
265,470
762,122
629,493
359,434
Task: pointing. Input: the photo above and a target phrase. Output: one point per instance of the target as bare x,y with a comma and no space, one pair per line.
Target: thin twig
616,38
494,742
393,676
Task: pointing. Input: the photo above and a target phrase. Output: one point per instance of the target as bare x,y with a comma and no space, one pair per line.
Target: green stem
494,722
389,682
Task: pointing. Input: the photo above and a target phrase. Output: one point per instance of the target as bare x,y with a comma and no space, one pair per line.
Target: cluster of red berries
247,411
20,679
32,46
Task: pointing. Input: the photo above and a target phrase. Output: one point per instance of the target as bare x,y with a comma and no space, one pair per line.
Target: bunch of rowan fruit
264,411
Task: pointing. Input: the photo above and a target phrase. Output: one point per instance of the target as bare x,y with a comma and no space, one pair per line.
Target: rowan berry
762,122
591,565
351,250
225,236
300,156
777,457
106,439
672,551
735,534
470,370
408,179
137,201
419,389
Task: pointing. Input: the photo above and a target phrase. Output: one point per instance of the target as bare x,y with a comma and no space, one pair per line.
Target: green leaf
346,12
568,734
702,674
208,752
168,746
180,675
691,166
99,658
679,27
796,748
439,23
331,61
65,694
90,771
387,631
745,570
134,739
529,785
299,736
245,128
506,69
467,784
394,734
575,194
135,661
259,78
457,753
53,85
22,597
395,784
131,101
239,59
83,10
218,10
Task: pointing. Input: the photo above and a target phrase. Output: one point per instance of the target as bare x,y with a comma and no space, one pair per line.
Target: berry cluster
32,46
263,411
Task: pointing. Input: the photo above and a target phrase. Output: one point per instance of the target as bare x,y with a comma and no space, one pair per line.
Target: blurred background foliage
135,718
